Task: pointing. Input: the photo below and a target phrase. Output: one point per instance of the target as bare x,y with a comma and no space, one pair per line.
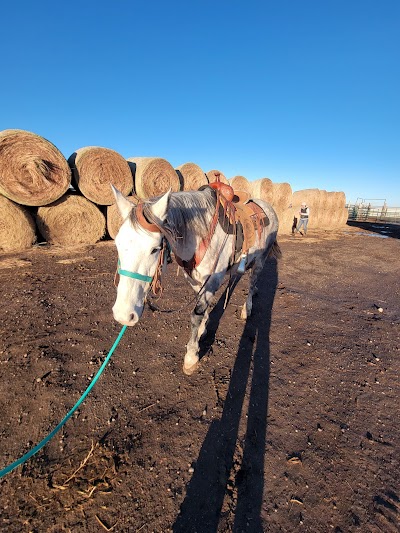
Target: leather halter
143,222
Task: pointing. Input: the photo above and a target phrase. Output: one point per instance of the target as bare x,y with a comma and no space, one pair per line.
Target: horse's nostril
132,317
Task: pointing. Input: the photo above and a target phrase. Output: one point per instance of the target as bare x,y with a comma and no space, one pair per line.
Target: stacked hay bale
263,189
214,175
114,218
191,177
153,176
32,170
327,209
94,168
240,183
17,227
282,203
71,220
339,212
34,173
312,197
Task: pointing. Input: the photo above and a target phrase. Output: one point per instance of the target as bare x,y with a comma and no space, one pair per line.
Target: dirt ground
291,423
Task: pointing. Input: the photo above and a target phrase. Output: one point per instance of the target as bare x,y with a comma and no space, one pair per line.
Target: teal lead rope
39,446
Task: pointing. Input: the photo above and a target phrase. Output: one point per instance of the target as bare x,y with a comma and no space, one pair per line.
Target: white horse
199,228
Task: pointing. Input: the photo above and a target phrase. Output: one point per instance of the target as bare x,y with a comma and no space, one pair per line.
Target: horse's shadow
225,467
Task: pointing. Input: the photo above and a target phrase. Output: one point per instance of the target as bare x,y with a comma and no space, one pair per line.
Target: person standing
303,221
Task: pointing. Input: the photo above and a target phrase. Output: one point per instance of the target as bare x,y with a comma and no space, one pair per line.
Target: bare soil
291,423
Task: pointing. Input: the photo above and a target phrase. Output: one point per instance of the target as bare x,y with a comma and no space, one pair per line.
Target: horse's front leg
199,319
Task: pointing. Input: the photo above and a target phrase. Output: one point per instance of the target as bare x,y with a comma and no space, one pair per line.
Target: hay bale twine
71,220
213,175
153,176
114,218
191,177
94,168
32,170
263,189
17,227
240,183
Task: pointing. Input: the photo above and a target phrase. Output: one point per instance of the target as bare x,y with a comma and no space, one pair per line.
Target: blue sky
304,91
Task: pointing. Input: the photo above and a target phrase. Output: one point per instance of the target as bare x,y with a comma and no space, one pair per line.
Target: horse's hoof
189,370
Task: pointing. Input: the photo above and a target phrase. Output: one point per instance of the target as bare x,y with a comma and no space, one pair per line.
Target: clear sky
303,91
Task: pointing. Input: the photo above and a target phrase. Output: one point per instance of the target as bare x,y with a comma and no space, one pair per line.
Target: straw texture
263,189
114,219
153,176
17,227
95,168
240,183
71,220
191,177
32,170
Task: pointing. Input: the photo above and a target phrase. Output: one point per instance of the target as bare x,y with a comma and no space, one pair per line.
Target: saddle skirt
253,220
244,218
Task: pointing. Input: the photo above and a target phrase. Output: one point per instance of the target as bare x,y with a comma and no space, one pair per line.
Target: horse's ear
160,207
123,204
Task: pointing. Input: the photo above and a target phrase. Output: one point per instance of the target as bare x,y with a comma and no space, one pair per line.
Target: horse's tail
275,251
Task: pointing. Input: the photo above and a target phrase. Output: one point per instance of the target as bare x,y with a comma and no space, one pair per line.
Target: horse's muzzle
126,320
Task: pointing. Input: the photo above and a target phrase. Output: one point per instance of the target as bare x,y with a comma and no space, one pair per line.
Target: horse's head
139,242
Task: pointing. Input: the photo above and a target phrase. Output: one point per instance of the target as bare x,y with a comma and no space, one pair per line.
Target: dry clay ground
291,423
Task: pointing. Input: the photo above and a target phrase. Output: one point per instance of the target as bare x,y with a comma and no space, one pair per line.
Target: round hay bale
343,217
153,176
213,175
312,197
281,197
240,183
263,189
17,227
71,220
32,170
191,177
334,211
94,168
114,219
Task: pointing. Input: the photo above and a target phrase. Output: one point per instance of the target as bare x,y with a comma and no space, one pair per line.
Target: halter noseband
155,280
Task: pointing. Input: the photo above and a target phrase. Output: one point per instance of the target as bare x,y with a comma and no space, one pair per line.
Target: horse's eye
155,250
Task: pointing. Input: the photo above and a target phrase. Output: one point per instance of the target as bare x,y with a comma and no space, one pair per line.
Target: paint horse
209,234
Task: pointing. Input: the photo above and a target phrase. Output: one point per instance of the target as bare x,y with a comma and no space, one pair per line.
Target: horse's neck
186,247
